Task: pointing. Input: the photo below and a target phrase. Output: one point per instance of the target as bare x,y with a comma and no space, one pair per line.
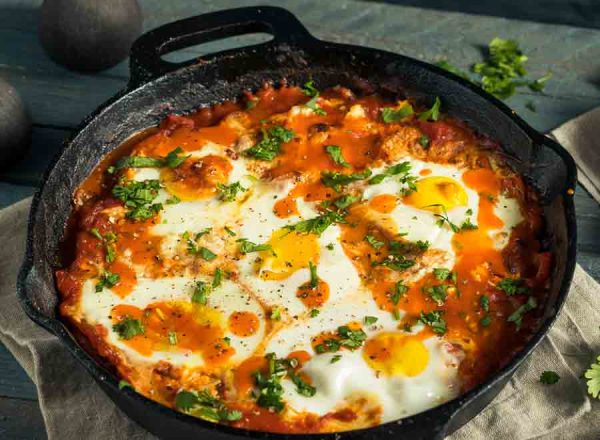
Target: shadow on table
584,13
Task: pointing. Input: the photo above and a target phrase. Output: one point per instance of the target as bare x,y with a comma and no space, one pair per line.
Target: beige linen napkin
75,408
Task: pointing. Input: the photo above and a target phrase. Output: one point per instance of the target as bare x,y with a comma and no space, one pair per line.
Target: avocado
89,35
15,125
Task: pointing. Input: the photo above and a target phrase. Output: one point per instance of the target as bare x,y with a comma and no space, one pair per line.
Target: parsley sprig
107,279
228,193
337,180
316,225
128,328
402,171
345,338
390,115
592,375
335,152
310,90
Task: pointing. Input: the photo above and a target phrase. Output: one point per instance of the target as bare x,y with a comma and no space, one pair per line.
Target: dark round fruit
89,35
15,125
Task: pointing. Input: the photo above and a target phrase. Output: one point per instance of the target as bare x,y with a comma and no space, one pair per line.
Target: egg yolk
290,252
396,354
434,191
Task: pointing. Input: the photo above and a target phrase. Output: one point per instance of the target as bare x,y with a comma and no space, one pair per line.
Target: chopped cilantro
270,144
128,328
336,180
444,274
310,90
229,231
345,201
94,232
108,280
275,314
228,193
201,292
549,377
513,286
173,200
433,113
347,338
424,141
172,338
390,115
374,242
247,246
314,278
517,315
335,358
444,64
370,320
217,278
302,388
434,320
138,197
400,289
438,293
485,321
204,405
336,155
314,313
124,384
316,225
401,169
484,302
171,160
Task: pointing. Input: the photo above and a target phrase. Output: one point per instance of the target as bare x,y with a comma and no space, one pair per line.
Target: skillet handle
146,62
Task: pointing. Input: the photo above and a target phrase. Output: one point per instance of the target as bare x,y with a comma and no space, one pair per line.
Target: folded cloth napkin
74,407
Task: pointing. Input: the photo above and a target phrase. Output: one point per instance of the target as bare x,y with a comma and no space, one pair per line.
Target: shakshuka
305,261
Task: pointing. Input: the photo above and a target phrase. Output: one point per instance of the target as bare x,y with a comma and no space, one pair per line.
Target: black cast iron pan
158,88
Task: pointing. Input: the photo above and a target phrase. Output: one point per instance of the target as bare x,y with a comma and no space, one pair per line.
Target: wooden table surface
60,99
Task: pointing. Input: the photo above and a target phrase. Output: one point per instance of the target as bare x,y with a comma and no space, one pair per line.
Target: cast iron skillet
158,88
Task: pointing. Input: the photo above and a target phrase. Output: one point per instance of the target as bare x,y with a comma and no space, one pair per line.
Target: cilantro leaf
246,246
517,315
314,278
444,64
374,242
270,144
592,375
138,197
336,155
228,193
433,113
204,405
435,321
513,286
108,279
390,115
401,169
549,377
316,225
370,320
128,328
336,180
171,160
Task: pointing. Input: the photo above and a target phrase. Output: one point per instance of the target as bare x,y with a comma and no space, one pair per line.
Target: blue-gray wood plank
59,99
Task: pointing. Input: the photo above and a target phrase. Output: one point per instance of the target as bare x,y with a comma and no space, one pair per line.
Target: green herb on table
592,375
549,377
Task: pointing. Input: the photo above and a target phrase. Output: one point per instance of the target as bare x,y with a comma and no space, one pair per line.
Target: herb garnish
370,320
549,377
374,242
129,328
204,405
314,313
517,315
217,278
228,193
513,286
335,152
171,160
246,246
438,293
346,338
310,90
400,290
314,278
433,113
336,180
201,292
172,338
434,320
138,197
316,225
270,144
390,115
108,280
108,239
424,141
401,169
